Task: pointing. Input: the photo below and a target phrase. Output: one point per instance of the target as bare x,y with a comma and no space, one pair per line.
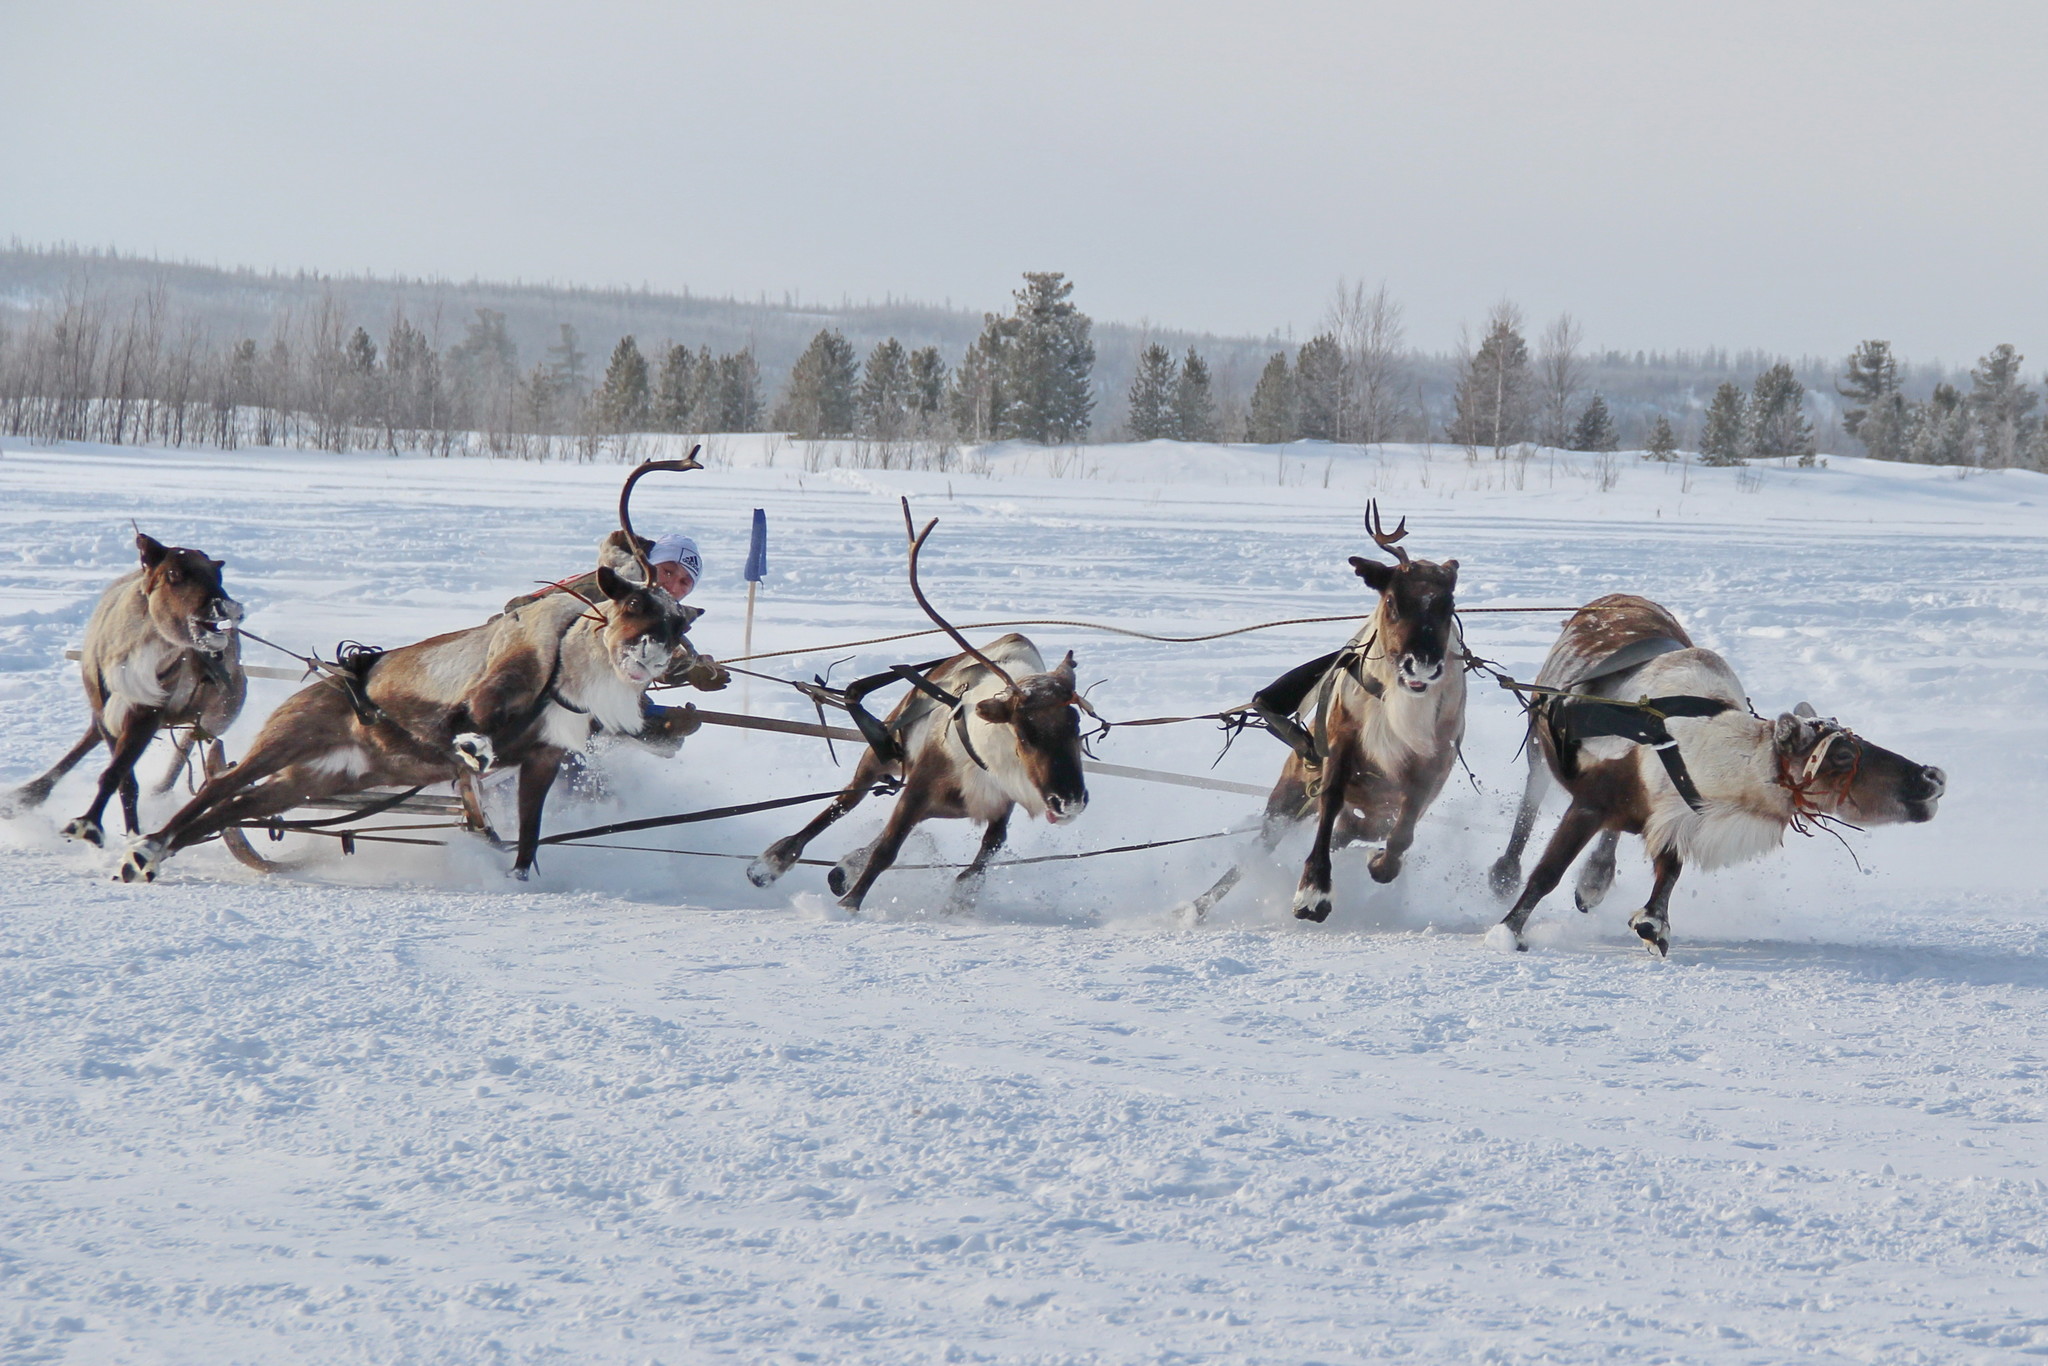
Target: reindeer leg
1506,873
536,775
131,795
1653,923
1312,896
138,728
967,886
783,854
1385,865
1284,808
910,809
1579,825
29,796
228,796
1596,875
179,756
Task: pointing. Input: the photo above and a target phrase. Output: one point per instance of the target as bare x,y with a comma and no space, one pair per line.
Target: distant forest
99,346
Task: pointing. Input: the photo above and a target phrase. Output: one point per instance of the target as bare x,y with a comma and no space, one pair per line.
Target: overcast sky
1785,176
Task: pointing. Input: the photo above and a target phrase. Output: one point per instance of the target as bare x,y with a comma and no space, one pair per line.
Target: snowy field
395,1108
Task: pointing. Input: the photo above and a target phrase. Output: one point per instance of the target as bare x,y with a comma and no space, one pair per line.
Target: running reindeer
1678,758
981,733
160,650
1385,716
521,690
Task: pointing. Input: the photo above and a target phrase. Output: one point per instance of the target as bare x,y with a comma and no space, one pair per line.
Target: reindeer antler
1381,537
688,462
917,539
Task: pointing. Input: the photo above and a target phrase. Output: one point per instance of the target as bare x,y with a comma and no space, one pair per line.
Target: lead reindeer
1678,758
160,650
1385,717
1008,735
520,691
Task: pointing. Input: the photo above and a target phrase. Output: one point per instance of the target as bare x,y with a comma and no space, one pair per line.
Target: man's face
674,578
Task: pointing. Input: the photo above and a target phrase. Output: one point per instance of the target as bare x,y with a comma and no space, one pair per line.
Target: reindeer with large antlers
522,690
160,650
982,733
1384,717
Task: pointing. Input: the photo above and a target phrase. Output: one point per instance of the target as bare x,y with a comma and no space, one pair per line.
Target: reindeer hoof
474,750
763,871
87,829
1654,931
1505,877
521,874
141,862
1384,867
838,882
1310,904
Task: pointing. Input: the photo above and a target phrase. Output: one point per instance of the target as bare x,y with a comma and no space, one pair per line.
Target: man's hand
706,674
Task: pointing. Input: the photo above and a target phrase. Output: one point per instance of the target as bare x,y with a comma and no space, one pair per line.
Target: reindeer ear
997,709
613,586
1376,575
1065,671
1805,709
153,550
1793,734
1450,568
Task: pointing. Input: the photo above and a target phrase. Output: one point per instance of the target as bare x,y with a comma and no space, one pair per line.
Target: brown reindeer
160,650
1008,735
1679,759
1384,718
520,691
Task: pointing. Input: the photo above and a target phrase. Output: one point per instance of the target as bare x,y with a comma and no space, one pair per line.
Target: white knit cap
678,549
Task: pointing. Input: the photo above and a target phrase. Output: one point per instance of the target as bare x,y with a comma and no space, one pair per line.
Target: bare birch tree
1560,374
1371,334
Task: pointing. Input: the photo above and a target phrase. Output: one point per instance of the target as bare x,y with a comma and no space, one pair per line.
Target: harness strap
1574,718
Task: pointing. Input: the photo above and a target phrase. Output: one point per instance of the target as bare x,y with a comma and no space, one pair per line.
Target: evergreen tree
1885,426
359,378
1194,406
671,403
623,398
739,392
885,392
483,369
1274,416
979,399
927,385
413,396
1872,374
1152,395
1319,388
1724,440
567,366
1777,415
2000,405
1663,442
1939,431
1048,365
1492,399
1594,431
820,400
707,398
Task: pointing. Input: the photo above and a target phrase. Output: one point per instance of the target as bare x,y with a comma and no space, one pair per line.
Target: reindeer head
1417,603
187,604
1832,771
642,627
1041,717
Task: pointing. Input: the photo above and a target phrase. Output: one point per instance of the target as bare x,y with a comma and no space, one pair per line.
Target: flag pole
757,570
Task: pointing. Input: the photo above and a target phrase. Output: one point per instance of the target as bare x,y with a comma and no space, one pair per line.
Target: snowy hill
395,1108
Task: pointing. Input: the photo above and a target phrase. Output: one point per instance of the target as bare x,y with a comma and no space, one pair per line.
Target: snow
395,1108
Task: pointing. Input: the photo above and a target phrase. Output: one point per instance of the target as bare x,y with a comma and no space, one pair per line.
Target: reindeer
160,650
522,690
1007,734
1687,766
1386,714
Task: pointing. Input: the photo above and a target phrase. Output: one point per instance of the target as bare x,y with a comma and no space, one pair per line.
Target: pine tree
1594,431
1663,442
927,386
359,376
1152,395
1724,440
2000,405
1048,366
1194,405
1273,417
1939,431
739,392
1777,416
707,398
1319,388
623,397
979,397
1872,374
1492,398
567,368
1885,426
483,369
413,397
820,400
672,390
885,392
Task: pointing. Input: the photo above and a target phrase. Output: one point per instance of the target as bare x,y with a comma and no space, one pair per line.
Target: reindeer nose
1936,780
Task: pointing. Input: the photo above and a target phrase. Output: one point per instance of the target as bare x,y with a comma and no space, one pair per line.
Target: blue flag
757,549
